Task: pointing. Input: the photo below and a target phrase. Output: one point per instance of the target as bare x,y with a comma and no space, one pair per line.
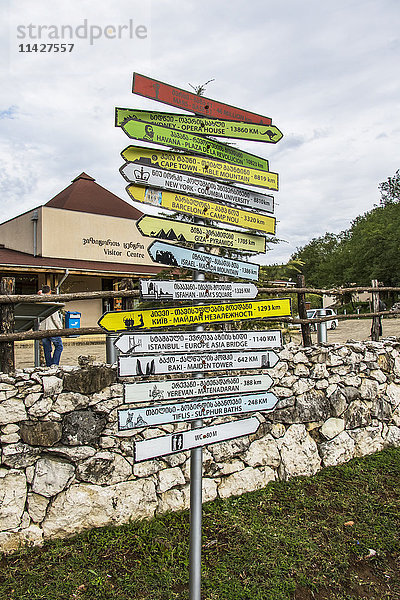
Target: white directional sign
154,289
130,419
130,366
195,186
185,440
172,389
175,256
139,343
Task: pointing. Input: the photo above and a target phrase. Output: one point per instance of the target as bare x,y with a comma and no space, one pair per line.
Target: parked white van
314,313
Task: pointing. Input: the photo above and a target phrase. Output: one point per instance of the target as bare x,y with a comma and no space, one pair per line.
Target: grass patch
288,541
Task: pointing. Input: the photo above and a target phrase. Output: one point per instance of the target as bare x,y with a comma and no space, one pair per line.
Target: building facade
84,239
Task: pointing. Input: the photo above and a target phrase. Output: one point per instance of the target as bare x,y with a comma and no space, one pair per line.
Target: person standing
52,322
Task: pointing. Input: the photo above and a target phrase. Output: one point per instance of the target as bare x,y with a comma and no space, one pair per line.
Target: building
84,239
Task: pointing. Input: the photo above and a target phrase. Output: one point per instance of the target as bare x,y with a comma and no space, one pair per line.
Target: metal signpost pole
322,334
196,484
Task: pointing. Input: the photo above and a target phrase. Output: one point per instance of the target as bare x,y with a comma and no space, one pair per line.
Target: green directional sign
168,229
145,132
202,125
200,165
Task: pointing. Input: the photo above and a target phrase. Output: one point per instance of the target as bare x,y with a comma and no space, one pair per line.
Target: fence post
376,328
7,364
301,300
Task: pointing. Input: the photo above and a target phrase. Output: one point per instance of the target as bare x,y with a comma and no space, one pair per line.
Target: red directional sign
168,94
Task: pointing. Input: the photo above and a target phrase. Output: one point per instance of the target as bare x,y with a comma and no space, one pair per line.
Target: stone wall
64,469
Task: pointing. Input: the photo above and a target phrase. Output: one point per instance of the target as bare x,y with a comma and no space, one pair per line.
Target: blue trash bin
72,321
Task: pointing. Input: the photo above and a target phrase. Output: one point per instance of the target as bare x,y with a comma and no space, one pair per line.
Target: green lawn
289,541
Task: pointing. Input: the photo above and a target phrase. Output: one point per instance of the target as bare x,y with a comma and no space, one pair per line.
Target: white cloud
325,72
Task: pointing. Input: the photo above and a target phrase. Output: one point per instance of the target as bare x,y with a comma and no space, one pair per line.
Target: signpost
194,315
173,389
130,419
194,438
197,165
155,289
194,186
168,94
175,256
135,366
202,208
169,229
202,126
164,136
188,182
166,341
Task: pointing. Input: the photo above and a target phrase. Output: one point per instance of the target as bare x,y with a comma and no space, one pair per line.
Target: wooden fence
8,300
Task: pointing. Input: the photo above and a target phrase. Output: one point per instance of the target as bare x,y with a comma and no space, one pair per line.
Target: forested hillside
369,249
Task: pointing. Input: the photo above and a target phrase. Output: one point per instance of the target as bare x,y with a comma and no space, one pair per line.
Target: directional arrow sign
168,229
139,343
202,126
155,289
168,94
172,389
199,207
185,440
167,254
130,419
195,186
131,366
195,315
209,167
145,132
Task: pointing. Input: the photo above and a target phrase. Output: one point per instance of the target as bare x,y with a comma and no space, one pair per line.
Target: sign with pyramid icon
171,230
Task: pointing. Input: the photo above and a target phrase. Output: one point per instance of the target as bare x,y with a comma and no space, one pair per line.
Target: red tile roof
85,195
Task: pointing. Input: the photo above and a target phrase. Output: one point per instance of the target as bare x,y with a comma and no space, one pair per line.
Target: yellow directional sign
202,208
186,163
168,229
197,144
195,315
202,125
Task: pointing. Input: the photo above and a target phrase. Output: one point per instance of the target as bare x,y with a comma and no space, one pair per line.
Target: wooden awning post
376,328
7,364
301,299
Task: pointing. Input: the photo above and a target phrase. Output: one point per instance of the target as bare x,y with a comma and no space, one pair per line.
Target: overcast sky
327,73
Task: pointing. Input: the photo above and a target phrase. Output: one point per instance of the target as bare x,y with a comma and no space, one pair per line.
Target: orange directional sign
168,94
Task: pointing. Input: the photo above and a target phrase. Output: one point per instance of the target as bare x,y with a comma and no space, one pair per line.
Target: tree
320,258
390,189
